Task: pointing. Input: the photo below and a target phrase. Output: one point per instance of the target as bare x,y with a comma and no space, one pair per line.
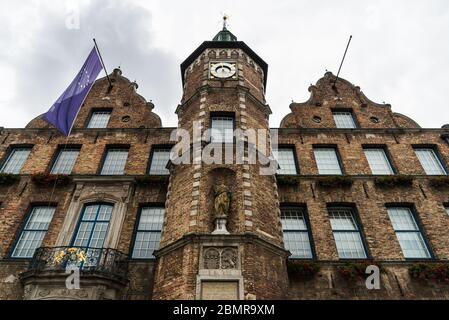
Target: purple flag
63,113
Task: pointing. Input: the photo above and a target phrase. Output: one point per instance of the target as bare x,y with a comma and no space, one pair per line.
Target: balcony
103,273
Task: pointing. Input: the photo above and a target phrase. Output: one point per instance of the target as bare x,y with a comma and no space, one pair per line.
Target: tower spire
225,34
225,21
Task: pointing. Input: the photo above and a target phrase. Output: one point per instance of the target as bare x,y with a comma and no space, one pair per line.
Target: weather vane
225,20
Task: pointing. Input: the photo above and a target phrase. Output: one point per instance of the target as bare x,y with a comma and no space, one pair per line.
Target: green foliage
152,180
394,181
430,271
335,182
440,182
302,268
287,180
47,179
7,179
356,270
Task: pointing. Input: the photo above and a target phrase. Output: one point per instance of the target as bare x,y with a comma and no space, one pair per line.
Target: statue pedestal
220,226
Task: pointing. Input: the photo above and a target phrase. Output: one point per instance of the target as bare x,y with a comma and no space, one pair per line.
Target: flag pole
341,64
104,67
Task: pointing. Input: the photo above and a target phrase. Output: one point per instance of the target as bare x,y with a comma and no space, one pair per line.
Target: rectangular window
446,207
99,119
15,161
344,119
33,232
408,233
65,161
296,234
327,161
378,161
286,159
159,160
347,233
430,161
114,162
222,129
148,232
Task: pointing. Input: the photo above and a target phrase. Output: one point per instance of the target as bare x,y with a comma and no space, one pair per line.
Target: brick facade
255,246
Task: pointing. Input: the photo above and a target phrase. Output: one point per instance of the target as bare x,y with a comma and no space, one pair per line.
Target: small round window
374,120
316,119
126,118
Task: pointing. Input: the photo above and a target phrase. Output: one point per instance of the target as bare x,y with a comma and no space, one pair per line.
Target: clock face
222,70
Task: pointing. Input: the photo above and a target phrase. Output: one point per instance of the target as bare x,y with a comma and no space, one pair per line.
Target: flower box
393,181
7,179
46,179
335,182
438,272
152,180
302,269
287,180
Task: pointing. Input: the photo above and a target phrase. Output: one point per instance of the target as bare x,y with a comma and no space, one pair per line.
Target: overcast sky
399,53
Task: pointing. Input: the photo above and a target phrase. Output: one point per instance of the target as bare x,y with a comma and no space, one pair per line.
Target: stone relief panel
220,258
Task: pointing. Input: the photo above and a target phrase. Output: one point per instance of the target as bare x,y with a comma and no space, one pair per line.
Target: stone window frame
73,216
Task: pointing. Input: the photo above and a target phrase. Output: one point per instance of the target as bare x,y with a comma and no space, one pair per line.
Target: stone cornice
233,238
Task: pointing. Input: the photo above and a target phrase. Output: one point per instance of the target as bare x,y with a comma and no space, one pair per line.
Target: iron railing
105,261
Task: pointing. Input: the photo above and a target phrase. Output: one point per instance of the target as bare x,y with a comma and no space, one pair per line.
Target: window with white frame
115,161
159,160
347,235
99,119
286,160
378,161
65,161
408,233
430,161
344,119
222,129
327,161
33,231
148,232
15,160
296,233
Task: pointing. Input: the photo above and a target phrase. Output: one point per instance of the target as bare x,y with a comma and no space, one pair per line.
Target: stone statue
222,201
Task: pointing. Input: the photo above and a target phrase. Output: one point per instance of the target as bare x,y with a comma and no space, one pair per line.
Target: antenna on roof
341,64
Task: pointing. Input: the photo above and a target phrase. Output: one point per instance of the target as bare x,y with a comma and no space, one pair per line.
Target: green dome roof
225,35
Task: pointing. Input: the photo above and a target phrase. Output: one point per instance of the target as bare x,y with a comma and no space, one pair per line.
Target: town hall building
355,187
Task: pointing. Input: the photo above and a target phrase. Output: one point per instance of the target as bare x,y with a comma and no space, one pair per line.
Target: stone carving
220,258
222,201
211,259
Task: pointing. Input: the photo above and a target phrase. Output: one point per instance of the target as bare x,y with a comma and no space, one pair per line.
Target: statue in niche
222,203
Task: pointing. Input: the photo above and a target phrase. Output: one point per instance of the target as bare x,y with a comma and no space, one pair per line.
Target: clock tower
222,233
